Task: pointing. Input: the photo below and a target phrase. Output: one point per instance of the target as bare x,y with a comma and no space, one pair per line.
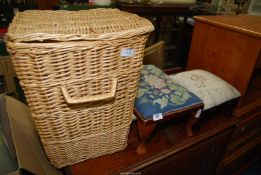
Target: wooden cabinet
245,144
230,47
227,46
199,159
169,151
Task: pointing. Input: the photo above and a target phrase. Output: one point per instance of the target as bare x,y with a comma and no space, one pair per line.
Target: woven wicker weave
78,85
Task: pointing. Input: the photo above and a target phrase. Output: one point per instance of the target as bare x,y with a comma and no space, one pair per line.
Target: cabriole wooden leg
193,119
144,133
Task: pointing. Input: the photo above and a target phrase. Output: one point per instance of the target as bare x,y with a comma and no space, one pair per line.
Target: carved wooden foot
193,119
144,133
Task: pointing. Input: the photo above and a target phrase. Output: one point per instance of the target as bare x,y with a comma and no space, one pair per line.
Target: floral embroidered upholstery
207,86
158,93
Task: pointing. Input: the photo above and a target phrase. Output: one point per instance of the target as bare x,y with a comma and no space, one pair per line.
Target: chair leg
144,133
193,119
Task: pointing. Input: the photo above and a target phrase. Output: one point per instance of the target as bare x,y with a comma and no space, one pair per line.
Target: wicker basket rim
94,24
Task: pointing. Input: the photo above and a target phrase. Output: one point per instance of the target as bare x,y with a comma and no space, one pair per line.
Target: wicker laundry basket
79,71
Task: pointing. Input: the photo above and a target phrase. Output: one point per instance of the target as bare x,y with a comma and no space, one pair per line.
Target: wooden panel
198,47
230,47
251,103
226,53
245,24
248,127
199,158
242,142
240,158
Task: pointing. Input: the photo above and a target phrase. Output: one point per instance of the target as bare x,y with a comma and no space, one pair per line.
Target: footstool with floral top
159,99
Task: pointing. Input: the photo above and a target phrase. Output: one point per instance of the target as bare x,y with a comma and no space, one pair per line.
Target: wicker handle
87,99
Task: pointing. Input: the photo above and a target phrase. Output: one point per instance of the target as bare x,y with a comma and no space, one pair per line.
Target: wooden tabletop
246,24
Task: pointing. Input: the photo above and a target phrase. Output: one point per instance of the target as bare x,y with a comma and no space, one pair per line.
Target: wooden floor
169,138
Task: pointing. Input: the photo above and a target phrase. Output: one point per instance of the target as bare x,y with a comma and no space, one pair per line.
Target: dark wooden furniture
230,47
157,11
227,46
170,151
47,4
245,145
163,16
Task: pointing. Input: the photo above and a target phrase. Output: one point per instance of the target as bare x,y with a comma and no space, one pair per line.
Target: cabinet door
199,159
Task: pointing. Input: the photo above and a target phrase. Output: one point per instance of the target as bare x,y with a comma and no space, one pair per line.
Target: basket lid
94,24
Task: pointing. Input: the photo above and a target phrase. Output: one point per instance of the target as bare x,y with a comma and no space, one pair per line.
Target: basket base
71,152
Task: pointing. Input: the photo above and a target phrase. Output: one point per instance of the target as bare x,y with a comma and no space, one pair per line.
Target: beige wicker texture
81,93
96,24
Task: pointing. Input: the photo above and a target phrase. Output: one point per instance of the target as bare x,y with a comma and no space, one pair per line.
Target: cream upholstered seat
210,88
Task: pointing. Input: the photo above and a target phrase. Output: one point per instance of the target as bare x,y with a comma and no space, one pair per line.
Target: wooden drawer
236,145
248,127
201,158
245,134
241,157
